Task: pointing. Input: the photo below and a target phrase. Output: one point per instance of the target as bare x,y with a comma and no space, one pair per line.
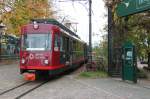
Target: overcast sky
78,12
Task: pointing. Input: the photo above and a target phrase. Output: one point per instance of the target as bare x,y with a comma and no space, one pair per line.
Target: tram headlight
35,25
46,61
23,61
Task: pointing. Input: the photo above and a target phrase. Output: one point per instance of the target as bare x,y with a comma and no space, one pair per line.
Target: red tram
48,47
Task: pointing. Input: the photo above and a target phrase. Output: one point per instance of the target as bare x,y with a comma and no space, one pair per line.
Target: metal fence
9,47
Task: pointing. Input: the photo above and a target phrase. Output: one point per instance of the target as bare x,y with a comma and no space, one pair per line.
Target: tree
134,28
22,11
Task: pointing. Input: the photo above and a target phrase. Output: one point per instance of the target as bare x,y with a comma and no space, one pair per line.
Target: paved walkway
71,87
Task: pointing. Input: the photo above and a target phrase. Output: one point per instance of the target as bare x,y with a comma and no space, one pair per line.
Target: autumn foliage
21,11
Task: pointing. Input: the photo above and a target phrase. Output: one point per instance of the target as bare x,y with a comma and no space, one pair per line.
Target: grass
93,74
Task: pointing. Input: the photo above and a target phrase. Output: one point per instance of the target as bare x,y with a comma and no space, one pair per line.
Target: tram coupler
29,76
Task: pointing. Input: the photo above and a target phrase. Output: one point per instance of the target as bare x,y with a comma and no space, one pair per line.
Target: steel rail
30,90
6,91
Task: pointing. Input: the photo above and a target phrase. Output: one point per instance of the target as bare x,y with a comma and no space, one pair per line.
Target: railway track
13,88
21,90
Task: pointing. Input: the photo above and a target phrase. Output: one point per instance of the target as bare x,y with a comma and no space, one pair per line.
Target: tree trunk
148,59
0,45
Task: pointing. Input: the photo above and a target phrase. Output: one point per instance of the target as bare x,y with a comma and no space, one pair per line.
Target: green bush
141,73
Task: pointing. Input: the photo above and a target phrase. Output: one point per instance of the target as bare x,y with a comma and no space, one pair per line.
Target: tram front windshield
38,42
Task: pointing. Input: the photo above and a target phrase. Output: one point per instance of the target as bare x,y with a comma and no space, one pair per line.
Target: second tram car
48,47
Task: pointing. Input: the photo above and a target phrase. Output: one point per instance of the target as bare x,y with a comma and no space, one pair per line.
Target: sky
77,12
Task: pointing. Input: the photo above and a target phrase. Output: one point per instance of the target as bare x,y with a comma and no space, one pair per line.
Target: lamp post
109,36
90,32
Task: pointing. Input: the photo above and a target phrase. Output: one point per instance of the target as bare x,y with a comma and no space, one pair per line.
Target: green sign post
128,7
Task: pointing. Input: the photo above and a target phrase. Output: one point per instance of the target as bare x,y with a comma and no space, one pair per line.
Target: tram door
64,50
67,49
70,51
129,62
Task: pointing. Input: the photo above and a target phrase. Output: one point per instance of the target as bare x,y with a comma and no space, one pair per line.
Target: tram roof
55,22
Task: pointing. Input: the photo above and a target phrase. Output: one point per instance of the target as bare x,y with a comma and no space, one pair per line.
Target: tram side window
74,45
61,43
65,44
56,43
